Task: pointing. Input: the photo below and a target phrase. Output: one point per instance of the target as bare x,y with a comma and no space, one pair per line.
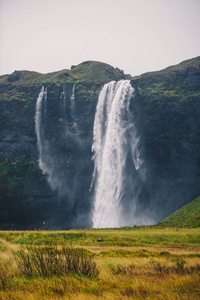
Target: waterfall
51,161
72,102
72,110
38,122
62,112
115,150
45,159
63,99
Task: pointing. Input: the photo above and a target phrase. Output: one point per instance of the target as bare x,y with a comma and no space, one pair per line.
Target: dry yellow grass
162,273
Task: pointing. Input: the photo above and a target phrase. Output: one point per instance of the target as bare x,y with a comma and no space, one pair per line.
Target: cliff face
167,110
61,200
166,113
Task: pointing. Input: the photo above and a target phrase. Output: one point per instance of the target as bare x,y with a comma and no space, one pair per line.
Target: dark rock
16,75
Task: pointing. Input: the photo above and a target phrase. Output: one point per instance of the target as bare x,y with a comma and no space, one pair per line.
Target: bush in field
121,269
49,261
159,268
177,268
6,273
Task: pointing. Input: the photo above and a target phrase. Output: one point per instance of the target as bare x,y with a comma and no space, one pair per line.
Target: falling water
62,112
38,121
63,99
114,140
50,161
72,103
72,110
45,159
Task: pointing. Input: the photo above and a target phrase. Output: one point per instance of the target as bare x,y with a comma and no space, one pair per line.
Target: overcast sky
135,35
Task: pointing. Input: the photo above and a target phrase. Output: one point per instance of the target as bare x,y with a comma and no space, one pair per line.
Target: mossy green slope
88,71
97,72
186,216
193,63
89,75
179,83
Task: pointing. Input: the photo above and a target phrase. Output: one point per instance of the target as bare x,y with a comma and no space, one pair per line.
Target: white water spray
114,137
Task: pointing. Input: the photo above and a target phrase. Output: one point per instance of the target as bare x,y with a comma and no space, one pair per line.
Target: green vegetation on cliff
186,216
22,88
90,72
17,176
178,83
93,71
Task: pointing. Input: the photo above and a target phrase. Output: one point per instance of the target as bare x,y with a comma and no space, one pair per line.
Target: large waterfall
118,173
116,158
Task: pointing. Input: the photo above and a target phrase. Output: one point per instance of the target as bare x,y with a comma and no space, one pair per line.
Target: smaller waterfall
38,121
72,102
63,99
72,110
115,154
67,132
45,159
62,112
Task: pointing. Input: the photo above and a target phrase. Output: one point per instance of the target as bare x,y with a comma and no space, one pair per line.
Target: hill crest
187,216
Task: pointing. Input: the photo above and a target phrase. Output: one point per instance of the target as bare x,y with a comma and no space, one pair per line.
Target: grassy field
130,263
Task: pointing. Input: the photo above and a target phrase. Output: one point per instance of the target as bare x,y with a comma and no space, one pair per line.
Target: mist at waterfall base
118,172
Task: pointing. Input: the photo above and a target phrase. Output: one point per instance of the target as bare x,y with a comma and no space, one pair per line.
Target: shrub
120,269
159,268
179,265
48,261
177,268
6,273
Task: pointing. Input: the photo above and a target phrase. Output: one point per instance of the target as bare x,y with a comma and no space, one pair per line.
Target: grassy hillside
89,71
97,72
186,216
89,77
193,63
178,83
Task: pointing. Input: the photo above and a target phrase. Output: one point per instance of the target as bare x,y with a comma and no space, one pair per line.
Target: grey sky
134,35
